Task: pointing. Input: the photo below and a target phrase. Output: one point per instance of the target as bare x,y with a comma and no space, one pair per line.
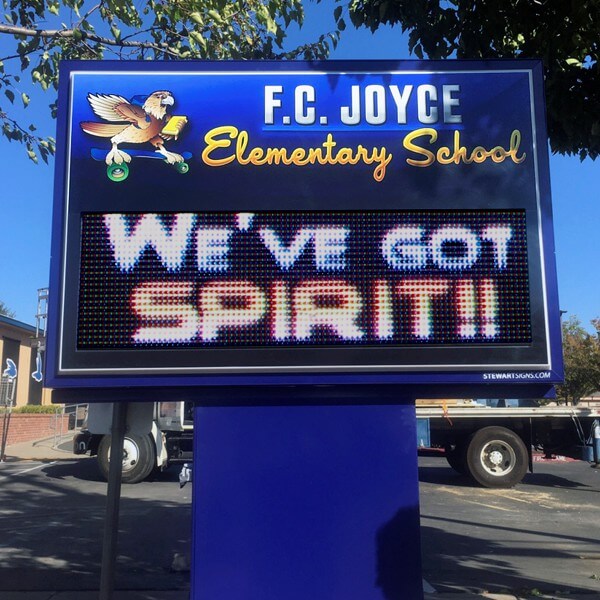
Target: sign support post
113,498
306,502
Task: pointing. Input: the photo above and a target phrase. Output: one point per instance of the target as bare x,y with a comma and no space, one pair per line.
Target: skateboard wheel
182,167
117,172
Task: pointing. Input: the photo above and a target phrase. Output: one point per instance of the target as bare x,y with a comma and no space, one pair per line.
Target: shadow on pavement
52,522
84,469
443,474
550,480
464,562
475,539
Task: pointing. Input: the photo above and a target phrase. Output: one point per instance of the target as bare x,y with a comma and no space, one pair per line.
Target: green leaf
215,15
116,32
197,18
199,39
25,98
10,95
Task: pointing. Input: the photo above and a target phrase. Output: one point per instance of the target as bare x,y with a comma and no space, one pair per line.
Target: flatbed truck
493,441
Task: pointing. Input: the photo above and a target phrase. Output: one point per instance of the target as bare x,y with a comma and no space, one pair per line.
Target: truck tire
456,455
496,457
138,457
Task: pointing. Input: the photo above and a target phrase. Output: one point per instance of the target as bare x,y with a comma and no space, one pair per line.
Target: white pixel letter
169,243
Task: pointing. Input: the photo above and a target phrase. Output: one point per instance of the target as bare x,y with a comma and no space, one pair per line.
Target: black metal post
113,497
7,392
5,424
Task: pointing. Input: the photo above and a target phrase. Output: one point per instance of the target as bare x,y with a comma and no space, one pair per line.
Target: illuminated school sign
218,221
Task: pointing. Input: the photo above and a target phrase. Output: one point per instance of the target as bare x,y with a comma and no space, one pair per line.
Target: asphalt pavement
52,451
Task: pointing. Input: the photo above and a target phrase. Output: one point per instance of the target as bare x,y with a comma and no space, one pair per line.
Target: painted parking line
27,470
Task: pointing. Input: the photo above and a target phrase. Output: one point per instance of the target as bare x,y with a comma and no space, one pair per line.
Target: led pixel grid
273,279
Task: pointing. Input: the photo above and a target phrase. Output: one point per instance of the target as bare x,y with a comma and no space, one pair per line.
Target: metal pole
4,434
596,442
7,390
113,496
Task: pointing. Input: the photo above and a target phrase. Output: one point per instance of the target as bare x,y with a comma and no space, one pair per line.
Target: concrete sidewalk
45,450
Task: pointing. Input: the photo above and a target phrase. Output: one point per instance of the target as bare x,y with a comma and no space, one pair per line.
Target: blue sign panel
241,223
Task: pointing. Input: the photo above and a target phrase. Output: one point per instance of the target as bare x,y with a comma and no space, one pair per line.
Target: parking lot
542,535
51,522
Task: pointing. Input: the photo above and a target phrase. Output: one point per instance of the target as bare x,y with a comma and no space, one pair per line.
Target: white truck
158,434
492,441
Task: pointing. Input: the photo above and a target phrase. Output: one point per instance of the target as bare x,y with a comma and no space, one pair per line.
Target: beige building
17,343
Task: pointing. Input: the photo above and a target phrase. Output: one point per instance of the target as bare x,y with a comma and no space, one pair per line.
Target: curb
42,450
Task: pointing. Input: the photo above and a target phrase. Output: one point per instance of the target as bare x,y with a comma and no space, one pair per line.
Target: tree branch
71,33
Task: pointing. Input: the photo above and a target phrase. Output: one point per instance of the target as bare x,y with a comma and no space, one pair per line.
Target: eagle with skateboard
141,120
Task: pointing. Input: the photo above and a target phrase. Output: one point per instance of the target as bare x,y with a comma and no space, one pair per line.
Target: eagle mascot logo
132,123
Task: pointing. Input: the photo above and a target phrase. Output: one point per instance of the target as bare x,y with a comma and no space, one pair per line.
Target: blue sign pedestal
306,502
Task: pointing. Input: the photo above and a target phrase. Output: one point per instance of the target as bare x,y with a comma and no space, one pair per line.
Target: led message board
219,222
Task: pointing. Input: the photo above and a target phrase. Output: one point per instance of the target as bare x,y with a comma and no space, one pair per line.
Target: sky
27,195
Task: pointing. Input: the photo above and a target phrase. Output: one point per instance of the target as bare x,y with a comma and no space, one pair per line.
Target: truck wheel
138,457
496,457
456,456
